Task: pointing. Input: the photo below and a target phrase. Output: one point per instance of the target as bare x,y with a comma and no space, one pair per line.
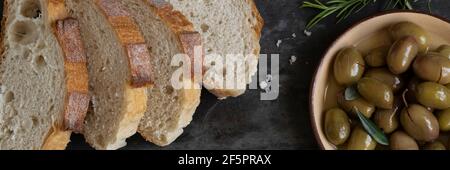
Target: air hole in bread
52,107
26,54
168,90
100,140
24,32
9,97
31,9
35,121
41,45
180,79
9,132
169,120
204,27
40,62
224,72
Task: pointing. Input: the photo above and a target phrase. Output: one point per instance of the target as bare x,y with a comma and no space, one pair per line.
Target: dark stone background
248,123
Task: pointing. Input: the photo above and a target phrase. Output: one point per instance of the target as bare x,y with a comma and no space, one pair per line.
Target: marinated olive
419,123
352,106
444,50
337,126
384,75
348,66
387,119
444,120
376,92
377,57
433,68
361,140
436,145
404,29
402,54
433,95
402,141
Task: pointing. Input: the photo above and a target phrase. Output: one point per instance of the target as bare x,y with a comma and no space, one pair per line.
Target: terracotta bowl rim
315,75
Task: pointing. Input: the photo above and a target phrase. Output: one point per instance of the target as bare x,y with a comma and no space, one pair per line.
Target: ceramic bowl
353,36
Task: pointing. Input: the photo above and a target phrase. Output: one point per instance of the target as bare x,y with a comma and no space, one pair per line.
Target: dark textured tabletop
248,123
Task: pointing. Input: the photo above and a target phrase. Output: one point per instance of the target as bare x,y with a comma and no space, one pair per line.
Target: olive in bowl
349,66
371,39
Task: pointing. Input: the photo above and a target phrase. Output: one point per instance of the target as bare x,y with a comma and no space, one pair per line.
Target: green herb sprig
373,130
344,8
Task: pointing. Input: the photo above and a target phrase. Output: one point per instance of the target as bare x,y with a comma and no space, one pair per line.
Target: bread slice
227,27
44,87
119,69
168,33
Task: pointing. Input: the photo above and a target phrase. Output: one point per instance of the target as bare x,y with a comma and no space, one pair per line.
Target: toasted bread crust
57,139
260,24
56,10
77,100
135,107
133,42
67,33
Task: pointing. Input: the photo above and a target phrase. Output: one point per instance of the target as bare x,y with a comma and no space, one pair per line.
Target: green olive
436,145
433,68
444,120
384,75
352,106
376,92
348,66
444,50
433,95
337,126
419,123
404,29
402,141
377,57
361,140
387,119
402,54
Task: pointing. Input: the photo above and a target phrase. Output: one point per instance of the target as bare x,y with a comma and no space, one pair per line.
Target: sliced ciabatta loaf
231,29
44,87
119,69
168,33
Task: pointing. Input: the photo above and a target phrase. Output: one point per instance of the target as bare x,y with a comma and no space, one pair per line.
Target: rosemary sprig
344,8
403,4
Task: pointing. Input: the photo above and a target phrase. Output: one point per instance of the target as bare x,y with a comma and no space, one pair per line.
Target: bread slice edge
188,40
257,30
67,32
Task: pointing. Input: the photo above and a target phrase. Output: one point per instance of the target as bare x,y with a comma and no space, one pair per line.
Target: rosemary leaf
373,130
344,8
